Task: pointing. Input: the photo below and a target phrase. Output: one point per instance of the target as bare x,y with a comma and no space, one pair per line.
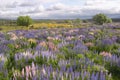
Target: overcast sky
57,9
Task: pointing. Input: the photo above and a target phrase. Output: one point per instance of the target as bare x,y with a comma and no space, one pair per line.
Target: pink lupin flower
27,78
33,69
27,71
29,67
105,54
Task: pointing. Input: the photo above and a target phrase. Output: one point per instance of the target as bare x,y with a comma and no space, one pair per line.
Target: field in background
9,25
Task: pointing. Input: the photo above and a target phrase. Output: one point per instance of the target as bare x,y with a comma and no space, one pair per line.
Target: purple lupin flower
92,76
97,76
82,75
107,41
102,76
34,78
80,48
73,75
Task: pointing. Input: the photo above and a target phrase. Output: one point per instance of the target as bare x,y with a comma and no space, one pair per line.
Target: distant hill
115,17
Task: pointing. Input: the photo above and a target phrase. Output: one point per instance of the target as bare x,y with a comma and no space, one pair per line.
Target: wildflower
89,44
14,37
52,46
69,38
30,35
44,72
91,33
107,41
33,69
50,38
54,74
43,43
23,72
32,40
27,71
80,48
105,54
17,46
21,37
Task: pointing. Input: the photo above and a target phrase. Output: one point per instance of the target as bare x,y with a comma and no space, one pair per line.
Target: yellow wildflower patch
51,25
32,40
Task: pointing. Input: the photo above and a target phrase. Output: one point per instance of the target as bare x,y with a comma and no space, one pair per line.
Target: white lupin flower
44,72
33,69
23,72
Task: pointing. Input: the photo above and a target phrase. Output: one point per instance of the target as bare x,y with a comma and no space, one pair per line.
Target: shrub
78,20
101,19
109,20
24,21
85,21
69,21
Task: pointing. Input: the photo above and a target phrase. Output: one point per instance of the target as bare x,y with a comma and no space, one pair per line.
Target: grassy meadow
59,50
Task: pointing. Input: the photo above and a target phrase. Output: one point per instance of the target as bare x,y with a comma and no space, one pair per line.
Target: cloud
27,4
35,10
12,5
95,2
102,6
57,8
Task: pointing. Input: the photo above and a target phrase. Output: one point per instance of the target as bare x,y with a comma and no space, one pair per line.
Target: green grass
10,28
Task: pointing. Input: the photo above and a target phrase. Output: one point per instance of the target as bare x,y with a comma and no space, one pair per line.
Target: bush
101,19
109,20
85,21
69,21
24,21
78,21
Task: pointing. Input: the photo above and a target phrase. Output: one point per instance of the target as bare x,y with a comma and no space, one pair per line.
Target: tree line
98,19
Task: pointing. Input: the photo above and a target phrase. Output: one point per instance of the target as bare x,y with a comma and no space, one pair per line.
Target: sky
57,9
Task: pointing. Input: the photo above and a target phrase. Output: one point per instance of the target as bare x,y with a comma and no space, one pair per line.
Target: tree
24,21
101,19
